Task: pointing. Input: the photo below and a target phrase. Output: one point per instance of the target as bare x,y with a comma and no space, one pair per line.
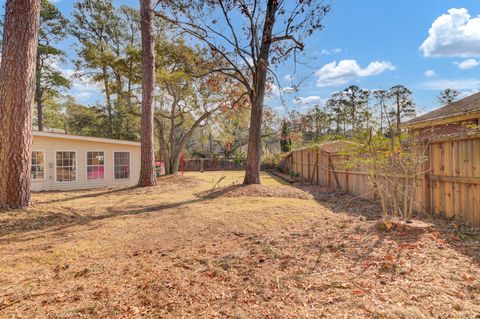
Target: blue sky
374,44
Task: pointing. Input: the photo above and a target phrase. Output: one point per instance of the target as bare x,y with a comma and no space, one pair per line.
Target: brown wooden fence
449,183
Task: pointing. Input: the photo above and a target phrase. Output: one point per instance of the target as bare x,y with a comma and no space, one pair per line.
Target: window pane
65,166
122,165
95,165
38,167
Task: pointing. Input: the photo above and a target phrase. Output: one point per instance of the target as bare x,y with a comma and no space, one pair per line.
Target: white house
64,162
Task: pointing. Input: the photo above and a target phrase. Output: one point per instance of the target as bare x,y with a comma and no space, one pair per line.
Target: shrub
393,166
294,174
270,161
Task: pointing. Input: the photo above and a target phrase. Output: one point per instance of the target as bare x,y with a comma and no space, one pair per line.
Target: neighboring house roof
467,106
85,138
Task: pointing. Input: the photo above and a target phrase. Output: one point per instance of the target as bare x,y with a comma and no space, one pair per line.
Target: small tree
448,96
393,166
285,141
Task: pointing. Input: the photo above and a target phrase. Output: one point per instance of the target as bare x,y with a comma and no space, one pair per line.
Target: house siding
50,145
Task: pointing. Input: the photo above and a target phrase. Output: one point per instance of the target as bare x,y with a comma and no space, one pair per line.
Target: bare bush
393,167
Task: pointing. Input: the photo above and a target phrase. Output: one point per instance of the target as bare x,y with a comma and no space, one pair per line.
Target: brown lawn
177,251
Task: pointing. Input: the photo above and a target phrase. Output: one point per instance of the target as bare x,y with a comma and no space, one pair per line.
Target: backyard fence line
449,182
214,164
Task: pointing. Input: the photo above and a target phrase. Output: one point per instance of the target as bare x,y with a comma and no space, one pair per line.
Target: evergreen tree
403,105
17,78
448,96
49,79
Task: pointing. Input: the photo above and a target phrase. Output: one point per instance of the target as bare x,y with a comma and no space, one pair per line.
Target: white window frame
44,166
104,166
76,167
129,166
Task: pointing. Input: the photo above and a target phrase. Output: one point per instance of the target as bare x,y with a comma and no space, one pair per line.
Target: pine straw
233,257
256,191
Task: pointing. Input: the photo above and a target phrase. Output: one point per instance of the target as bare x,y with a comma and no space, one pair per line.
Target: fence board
449,184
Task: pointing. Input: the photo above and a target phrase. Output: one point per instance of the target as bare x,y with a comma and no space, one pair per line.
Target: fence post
318,166
427,187
308,164
301,163
328,169
346,174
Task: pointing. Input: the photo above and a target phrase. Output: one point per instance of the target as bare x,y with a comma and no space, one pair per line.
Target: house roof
468,105
85,138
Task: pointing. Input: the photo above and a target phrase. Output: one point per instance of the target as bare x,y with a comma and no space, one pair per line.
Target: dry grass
165,252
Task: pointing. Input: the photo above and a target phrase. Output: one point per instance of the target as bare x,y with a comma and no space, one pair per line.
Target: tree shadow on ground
53,222
91,194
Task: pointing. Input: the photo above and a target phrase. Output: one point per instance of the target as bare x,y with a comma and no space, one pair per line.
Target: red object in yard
183,163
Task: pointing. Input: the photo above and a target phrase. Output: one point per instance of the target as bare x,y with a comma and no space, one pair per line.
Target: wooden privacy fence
214,164
449,183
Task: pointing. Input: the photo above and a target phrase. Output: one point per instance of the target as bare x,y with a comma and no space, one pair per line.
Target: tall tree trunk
252,174
147,170
17,86
162,149
398,120
38,94
109,101
176,159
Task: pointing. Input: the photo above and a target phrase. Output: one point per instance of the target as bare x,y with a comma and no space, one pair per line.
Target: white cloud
467,64
274,91
332,51
430,73
457,84
453,34
333,74
312,99
82,95
288,78
82,89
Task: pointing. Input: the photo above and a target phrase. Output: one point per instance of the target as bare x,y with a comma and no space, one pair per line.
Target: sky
426,45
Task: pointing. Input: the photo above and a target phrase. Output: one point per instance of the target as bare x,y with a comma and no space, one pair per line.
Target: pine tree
49,79
17,78
147,171
448,96
403,105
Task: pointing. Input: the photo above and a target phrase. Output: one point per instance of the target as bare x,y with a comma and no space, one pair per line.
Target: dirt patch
256,191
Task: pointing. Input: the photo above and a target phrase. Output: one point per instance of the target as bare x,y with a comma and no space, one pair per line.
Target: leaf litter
167,252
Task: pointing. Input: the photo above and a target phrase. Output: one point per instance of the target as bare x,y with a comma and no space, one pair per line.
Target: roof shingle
469,104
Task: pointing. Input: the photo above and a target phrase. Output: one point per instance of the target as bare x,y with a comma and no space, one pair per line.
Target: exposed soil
165,252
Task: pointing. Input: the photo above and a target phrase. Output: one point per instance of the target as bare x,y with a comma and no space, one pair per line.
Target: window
121,166
38,165
95,165
65,167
